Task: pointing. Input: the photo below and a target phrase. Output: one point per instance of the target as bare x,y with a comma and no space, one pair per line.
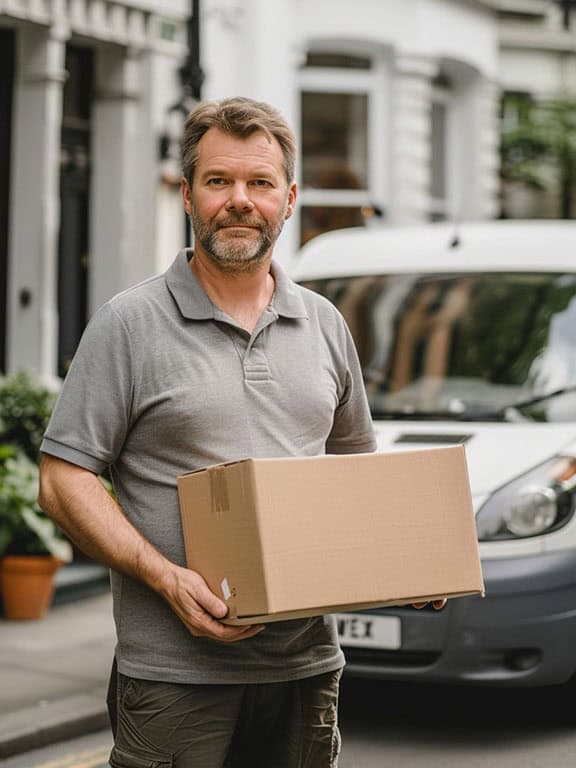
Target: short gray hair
238,116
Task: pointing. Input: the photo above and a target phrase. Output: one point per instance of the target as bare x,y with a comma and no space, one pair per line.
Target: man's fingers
207,600
436,604
226,633
201,611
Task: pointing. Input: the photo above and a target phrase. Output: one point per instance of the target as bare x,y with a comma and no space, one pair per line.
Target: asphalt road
411,726
408,726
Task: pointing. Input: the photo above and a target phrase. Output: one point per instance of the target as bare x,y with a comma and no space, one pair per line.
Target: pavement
54,671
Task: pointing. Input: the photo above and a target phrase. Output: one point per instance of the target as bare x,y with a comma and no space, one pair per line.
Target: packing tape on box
219,490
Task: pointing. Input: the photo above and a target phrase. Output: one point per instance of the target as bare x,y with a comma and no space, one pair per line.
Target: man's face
239,199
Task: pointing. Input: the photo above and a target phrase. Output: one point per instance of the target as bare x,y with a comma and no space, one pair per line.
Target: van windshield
458,346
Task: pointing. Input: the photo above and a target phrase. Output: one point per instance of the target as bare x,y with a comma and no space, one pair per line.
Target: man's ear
186,195
292,195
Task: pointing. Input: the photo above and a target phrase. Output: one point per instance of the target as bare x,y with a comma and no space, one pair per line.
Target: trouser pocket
120,758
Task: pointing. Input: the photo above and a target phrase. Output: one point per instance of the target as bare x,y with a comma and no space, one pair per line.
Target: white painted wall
436,28
248,49
535,71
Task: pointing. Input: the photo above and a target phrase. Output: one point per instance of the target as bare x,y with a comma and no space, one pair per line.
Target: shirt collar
194,304
186,291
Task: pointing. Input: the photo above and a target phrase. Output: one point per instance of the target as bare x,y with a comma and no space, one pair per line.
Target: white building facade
395,104
85,88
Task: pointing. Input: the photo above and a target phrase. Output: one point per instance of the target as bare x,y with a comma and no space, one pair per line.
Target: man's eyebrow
256,172
214,171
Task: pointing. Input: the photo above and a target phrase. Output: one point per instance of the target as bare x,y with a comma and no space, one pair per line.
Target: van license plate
365,631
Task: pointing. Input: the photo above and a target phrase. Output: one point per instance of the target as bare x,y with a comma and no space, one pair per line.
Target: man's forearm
78,502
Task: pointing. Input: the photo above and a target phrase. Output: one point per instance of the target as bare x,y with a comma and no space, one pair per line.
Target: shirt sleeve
91,417
353,429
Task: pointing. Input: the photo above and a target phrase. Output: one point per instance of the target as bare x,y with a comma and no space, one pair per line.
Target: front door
73,261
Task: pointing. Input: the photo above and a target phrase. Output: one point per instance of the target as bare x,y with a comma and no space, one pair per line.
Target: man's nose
239,198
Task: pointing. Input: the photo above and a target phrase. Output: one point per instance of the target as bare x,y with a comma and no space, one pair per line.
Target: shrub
24,528
25,408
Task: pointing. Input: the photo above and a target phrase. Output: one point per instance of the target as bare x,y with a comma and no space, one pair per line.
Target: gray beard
234,256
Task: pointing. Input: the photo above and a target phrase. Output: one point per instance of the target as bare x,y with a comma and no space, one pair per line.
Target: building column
123,183
32,278
412,98
486,205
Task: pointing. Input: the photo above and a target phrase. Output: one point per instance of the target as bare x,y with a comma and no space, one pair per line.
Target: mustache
239,220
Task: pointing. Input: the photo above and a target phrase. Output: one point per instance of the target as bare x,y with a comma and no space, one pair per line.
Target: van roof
500,245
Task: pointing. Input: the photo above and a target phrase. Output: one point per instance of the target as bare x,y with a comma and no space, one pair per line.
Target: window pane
438,176
334,140
337,60
315,219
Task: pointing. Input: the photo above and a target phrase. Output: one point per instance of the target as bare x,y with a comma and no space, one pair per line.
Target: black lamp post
191,79
191,73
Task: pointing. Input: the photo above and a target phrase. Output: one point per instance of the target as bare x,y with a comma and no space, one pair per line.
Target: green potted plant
32,548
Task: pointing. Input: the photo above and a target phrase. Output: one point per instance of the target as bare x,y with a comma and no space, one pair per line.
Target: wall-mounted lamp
191,80
171,136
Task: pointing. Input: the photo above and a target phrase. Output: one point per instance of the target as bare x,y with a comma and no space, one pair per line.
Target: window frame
375,84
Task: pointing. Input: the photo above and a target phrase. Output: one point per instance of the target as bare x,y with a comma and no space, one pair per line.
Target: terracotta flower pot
27,585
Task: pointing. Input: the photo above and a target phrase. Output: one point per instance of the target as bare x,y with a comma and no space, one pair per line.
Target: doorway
75,166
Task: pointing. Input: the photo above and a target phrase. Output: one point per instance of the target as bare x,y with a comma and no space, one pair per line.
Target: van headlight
538,502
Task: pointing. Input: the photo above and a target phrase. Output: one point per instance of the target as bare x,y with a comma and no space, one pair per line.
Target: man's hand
200,610
437,604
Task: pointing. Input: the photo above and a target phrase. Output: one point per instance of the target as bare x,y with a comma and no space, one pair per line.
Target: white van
467,335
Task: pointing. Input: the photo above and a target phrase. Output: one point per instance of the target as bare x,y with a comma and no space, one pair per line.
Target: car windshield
463,346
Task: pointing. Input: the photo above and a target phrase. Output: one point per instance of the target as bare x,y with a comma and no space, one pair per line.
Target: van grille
428,438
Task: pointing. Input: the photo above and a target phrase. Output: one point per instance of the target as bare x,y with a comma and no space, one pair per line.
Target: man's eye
216,181
261,183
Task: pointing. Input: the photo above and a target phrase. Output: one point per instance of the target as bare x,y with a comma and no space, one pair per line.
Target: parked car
467,335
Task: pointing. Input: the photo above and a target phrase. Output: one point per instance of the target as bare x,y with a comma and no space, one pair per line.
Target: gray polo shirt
163,382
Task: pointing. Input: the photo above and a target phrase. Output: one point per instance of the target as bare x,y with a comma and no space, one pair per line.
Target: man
221,357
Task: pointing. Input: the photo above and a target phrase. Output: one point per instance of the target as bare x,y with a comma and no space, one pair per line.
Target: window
440,159
334,140
341,116
438,175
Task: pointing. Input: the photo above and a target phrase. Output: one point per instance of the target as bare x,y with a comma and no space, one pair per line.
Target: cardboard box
293,537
